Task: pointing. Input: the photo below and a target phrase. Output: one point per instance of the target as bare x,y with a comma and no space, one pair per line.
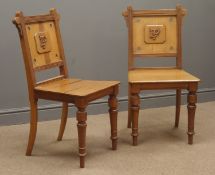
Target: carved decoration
145,43
42,42
155,34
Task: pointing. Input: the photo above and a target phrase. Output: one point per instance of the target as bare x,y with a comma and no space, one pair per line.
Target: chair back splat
41,44
154,33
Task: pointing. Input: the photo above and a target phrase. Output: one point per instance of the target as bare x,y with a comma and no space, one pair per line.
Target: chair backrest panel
41,44
155,33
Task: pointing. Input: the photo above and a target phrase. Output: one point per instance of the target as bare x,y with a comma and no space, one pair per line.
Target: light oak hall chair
157,33
42,49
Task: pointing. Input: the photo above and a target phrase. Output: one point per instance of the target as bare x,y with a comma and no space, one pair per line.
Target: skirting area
162,150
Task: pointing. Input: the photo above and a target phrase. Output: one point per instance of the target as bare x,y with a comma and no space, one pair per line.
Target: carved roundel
154,34
42,40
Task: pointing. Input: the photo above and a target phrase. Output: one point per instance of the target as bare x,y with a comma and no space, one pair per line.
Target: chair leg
129,108
135,106
112,101
63,121
178,105
192,99
33,127
81,116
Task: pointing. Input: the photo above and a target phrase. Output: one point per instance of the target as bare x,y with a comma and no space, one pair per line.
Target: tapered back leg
33,127
63,121
129,108
178,106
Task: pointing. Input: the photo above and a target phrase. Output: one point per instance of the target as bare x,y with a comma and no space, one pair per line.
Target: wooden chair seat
159,75
76,87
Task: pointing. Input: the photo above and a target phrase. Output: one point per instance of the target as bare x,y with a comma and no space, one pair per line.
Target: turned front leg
113,104
81,118
135,106
191,99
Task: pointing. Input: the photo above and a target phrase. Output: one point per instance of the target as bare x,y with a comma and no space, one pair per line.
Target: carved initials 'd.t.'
43,40
154,33
43,43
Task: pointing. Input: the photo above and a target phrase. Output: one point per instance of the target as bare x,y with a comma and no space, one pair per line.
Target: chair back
41,44
154,33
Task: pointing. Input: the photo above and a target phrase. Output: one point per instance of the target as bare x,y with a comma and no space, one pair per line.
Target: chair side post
63,68
179,16
130,38
19,23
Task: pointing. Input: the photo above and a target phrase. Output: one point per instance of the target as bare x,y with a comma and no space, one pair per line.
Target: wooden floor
162,150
